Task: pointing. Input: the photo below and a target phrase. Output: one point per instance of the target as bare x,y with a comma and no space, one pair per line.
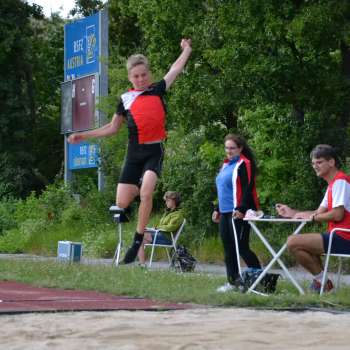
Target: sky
61,6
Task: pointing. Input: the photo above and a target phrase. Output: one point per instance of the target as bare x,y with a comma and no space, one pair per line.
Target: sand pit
211,328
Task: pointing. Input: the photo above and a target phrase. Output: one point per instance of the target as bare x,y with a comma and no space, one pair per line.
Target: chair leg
324,274
169,257
326,263
339,272
151,258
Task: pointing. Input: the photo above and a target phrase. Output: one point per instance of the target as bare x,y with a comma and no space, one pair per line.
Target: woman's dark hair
246,150
173,195
327,152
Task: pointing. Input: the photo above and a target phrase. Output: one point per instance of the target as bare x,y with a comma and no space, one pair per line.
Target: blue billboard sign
83,155
81,42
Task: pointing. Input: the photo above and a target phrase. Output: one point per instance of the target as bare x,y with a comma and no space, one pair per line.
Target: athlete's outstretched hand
186,43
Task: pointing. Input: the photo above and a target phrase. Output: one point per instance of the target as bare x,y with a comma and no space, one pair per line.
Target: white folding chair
329,254
174,239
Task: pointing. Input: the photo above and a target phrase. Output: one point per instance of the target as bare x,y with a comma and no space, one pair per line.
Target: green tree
30,64
276,72
86,7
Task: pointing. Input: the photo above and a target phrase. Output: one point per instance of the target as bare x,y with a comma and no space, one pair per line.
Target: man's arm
178,66
307,214
336,214
287,212
106,130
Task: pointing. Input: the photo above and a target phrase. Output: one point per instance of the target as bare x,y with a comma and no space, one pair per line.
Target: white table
276,255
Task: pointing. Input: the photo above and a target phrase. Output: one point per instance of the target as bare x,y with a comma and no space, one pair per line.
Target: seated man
169,222
334,209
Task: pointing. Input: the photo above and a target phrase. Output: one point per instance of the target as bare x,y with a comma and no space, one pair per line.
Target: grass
163,285
210,250
99,240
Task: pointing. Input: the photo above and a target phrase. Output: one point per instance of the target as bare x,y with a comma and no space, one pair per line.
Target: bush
7,214
190,168
282,146
13,242
95,207
99,241
55,199
72,214
39,222
48,206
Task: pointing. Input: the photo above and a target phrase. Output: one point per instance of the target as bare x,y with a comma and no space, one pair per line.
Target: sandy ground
214,328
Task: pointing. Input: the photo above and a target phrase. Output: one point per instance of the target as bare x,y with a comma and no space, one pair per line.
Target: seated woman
169,222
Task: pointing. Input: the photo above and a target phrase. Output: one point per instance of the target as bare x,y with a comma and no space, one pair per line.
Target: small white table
276,255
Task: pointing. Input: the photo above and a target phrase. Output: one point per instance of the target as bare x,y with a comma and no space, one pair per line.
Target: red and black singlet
145,113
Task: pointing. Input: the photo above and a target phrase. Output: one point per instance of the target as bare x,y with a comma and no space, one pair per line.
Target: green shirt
171,220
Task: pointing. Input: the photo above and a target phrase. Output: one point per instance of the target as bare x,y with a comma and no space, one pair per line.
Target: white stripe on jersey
234,183
129,97
340,195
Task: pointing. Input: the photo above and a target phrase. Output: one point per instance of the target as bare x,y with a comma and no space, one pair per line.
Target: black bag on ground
182,260
266,285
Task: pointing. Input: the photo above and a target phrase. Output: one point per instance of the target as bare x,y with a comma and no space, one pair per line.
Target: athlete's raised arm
178,66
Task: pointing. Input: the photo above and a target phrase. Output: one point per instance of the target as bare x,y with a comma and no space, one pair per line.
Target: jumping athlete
143,109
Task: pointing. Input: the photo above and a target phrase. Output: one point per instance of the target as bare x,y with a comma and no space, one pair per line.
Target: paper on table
254,214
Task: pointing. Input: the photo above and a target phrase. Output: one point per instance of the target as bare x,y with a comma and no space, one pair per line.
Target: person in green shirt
169,222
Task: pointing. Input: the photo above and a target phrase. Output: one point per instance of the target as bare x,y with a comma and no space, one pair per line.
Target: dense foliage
31,69
276,72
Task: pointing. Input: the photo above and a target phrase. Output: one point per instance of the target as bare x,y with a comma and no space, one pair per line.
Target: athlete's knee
122,203
126,194
146,197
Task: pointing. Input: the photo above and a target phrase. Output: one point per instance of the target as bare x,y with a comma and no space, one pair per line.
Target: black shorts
340,245
140,158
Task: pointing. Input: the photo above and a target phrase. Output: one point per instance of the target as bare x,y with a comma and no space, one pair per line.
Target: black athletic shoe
131,253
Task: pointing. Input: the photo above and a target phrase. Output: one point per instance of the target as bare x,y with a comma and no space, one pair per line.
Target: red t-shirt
338,194
145,113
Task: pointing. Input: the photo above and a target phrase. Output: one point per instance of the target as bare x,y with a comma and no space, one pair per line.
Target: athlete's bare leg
126,193
141,253
148,186
149,182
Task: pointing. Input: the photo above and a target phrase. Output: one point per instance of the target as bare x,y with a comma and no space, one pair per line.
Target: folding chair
329,254
174,239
